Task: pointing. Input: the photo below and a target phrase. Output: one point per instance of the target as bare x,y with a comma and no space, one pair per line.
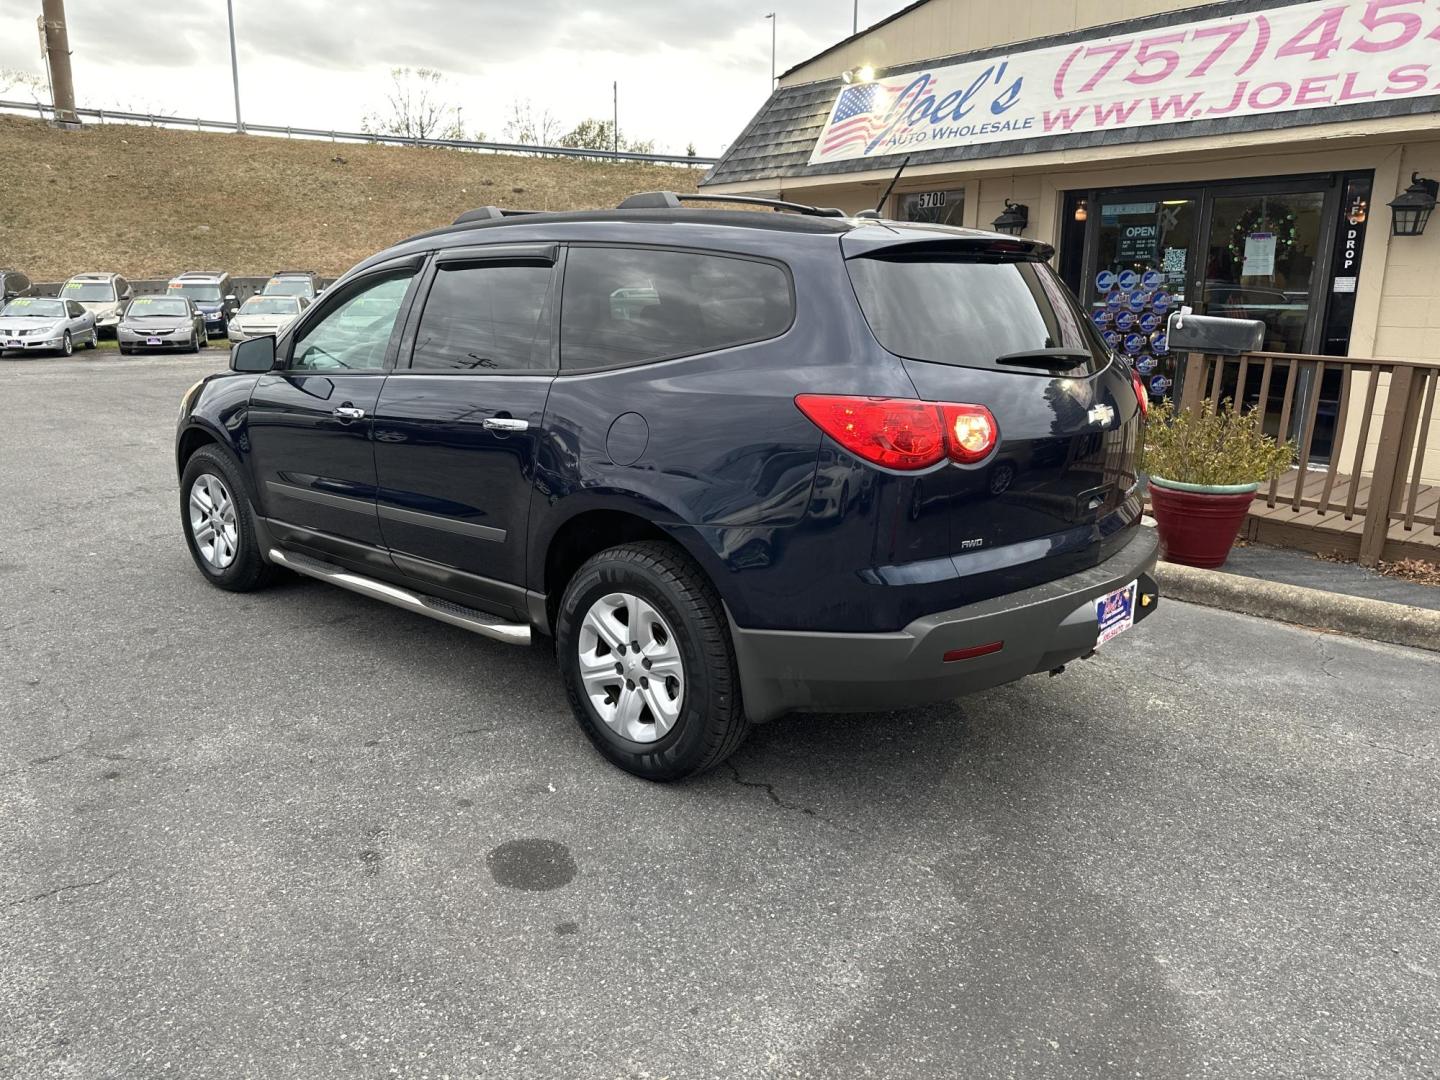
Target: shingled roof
777,143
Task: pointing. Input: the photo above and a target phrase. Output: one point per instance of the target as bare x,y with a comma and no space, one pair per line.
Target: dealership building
1236,158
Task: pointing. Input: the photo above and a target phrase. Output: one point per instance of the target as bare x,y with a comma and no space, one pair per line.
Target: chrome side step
477,622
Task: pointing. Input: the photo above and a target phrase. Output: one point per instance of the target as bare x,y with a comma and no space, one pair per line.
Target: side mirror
255,355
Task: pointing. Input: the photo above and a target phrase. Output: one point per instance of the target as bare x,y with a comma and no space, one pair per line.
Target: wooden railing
1330,491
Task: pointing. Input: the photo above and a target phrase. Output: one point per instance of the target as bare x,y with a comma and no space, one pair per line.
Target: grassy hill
149,202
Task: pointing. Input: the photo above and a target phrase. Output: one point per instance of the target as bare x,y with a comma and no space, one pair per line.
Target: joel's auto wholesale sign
1303,57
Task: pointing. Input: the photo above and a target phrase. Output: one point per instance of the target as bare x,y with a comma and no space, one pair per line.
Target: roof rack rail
489,213
279,273
670,200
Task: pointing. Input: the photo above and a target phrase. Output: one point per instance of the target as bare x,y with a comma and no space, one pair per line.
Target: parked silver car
43,324
162,322
265,315
102,294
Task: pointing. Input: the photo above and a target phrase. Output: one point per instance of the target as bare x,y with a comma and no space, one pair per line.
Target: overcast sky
689,70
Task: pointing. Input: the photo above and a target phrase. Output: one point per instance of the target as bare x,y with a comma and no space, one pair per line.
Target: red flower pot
1198,527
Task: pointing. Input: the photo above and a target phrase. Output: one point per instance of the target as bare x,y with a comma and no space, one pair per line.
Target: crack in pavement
774,796
62,888
1325,658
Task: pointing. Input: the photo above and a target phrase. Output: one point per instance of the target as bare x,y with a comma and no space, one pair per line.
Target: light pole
55,44
615,118
234,65
855,20
773,22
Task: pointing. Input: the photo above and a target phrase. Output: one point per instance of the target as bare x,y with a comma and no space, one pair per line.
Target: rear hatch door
982,319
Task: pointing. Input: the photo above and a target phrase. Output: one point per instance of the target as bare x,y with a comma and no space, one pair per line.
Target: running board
477,622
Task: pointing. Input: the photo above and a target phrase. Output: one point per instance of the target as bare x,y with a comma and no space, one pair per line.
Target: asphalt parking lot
300,834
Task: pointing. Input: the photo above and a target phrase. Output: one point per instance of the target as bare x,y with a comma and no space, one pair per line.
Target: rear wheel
219,524
648,666
94,338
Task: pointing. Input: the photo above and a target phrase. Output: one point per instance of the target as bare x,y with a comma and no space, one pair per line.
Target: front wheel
219,524
645,653
67,346
94,341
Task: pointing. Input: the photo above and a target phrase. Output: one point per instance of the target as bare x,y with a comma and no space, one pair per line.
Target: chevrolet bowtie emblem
1102,415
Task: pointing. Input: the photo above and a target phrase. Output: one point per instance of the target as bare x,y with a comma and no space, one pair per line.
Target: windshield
270,305
196,292
968,311
34,307
144,306
289,287
89,290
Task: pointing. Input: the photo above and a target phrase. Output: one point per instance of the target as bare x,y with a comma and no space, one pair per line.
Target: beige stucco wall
947,27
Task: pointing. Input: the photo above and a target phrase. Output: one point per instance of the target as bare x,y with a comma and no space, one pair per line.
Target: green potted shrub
1204,469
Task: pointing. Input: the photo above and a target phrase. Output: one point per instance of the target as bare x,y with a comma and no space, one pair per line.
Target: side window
354,334
121,287
486,317
74,309
629,305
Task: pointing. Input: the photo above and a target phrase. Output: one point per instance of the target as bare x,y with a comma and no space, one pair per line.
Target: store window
934,207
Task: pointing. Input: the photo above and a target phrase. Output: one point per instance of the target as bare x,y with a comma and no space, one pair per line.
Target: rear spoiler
891,243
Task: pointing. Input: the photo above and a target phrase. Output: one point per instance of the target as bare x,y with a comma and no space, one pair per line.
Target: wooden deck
1298,512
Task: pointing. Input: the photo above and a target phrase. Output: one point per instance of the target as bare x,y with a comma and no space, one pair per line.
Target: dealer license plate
1116,612
152,341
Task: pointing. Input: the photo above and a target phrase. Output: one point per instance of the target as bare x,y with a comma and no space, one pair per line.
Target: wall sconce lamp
1410,211
1013,218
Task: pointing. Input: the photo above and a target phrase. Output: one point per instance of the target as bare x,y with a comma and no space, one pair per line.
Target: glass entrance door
1263,261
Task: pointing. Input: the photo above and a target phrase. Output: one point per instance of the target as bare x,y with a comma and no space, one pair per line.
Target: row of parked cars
195,306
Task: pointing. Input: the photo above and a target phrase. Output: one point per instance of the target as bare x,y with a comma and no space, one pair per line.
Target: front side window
486,318
631,305
355,334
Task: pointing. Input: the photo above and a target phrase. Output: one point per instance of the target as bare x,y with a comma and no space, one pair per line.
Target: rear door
457,426
310,423
993,325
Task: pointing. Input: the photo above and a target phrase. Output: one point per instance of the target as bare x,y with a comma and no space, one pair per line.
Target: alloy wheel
213,522
631,668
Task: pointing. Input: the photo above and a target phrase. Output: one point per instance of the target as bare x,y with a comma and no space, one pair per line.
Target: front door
310,422
458,422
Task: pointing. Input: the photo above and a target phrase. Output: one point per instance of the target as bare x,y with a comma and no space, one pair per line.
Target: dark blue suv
731,463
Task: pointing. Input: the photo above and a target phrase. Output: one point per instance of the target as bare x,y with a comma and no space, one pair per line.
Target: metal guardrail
107,115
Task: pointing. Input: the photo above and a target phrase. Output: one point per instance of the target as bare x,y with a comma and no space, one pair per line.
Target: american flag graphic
856,119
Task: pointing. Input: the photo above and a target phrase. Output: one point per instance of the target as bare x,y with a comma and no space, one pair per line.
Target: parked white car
265,315
102,294
42,324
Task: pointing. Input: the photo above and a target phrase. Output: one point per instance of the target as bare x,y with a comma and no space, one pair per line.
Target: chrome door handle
504,423
349,412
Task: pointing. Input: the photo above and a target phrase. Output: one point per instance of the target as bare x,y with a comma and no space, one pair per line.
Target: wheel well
585,535
192,439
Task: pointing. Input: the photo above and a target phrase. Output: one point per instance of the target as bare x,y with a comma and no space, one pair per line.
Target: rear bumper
1042,627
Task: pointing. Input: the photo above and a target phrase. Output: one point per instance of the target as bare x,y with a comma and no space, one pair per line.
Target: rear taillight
1140,394
901,433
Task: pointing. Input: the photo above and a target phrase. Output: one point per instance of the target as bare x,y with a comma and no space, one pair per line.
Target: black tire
248,571
94,341
712,724
67,347
204,338
125,350
194,346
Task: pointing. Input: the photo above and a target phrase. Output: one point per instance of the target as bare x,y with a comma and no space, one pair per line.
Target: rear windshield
969,311
196,292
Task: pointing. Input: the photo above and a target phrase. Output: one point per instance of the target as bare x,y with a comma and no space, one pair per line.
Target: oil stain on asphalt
531,865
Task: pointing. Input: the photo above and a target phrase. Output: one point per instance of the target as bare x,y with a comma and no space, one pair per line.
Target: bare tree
595,134
524,125
417,106
31,85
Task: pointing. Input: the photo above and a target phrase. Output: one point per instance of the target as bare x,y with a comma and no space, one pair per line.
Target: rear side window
486,318
950,309
632,305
